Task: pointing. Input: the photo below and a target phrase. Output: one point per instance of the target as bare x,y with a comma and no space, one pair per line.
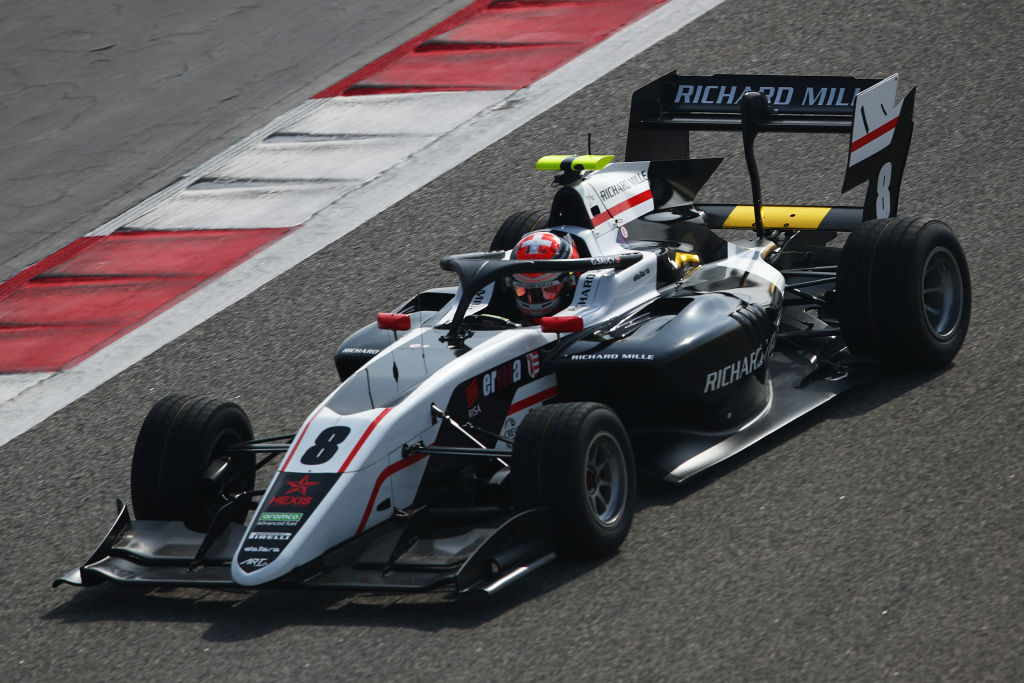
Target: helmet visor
537,295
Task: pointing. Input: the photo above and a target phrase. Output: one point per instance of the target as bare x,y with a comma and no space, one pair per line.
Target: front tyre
576,459
181,437
904,292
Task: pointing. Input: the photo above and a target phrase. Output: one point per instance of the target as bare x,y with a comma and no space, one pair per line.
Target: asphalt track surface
878,538
104,103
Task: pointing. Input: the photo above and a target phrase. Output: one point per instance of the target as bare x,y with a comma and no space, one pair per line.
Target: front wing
463,550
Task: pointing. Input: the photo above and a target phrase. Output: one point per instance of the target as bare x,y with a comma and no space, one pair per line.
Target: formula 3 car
465,447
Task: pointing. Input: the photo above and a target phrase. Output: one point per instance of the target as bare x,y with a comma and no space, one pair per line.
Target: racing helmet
540,294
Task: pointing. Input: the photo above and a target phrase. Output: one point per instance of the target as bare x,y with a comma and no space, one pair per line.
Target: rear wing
879,128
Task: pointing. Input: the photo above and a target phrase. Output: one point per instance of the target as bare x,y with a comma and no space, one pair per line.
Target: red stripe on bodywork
362,439
415,458
636,200
873,135
532,400
295,444
388,471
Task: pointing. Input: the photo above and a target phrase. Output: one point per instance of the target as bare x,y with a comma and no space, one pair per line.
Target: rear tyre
575,458
179,440
903,292
517,225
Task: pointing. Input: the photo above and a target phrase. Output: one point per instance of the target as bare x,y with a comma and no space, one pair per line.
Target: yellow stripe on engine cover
778,217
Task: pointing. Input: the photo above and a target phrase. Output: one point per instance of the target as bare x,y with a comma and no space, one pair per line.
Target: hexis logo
297,493
301,485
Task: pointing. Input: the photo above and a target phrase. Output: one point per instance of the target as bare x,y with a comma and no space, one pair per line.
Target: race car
480,431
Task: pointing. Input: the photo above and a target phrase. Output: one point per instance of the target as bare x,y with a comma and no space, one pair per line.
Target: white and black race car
466,446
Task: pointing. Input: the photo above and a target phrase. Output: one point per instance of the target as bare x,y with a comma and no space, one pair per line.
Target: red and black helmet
540,294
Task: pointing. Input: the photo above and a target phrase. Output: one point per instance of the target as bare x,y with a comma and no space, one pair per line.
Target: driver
541,294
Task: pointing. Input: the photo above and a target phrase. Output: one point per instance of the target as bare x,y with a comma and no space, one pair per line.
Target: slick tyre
903,292
180,438
575,458
517,225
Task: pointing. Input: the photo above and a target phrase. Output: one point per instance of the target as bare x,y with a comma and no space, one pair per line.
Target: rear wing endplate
664,111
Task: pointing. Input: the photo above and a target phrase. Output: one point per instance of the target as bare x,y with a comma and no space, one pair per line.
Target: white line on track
27,400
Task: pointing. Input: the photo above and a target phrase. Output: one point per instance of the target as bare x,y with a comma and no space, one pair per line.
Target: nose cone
286,508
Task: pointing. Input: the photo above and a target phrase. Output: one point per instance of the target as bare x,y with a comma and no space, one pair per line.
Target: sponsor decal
605,260
280,517
365,352
481,297
612,356
273,528
301,493
269,536
643,273
472,392
254,562
502,376
509,429
781,96
738,369
625,185
290,499
301,485
486,398
533,363
585,289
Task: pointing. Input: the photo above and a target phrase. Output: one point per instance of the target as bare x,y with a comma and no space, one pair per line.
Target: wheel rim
605,479
942,293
